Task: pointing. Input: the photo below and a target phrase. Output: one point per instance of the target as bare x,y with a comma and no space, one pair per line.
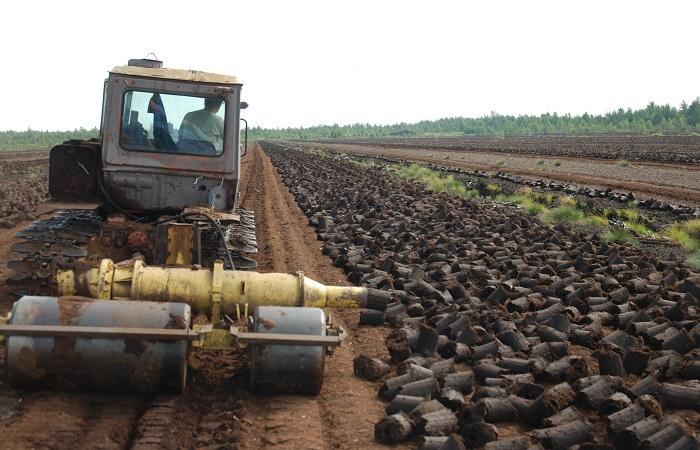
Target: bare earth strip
679,182
344,414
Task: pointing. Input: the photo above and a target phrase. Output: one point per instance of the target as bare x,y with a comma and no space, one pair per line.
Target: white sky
322,62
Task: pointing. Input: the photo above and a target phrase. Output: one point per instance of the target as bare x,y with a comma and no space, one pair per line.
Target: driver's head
212,104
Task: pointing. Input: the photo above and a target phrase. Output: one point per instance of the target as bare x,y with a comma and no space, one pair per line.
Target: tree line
42,140
651,119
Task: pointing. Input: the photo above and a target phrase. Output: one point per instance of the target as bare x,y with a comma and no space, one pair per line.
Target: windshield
169,123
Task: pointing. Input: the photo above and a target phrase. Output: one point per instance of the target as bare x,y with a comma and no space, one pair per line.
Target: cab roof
176,74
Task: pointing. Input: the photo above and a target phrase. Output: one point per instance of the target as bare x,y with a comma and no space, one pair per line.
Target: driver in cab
202,127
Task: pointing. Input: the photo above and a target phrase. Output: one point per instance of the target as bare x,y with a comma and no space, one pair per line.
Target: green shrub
623,163
557,163
540,162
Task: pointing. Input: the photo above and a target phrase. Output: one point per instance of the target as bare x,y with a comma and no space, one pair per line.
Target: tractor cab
170,139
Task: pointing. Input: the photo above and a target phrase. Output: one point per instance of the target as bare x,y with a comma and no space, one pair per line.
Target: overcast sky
322,62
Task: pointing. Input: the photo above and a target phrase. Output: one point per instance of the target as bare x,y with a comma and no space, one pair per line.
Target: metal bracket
301,276
211,338
217,282
3,321
285,339
338,332
156,334
106,275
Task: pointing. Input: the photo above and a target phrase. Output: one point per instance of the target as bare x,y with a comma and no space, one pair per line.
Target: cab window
171,123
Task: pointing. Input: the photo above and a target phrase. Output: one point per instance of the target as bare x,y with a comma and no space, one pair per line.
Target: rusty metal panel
195,76
180,244
119,364
73,171
288,368
169,181
115,158
73,331
288,339
132,189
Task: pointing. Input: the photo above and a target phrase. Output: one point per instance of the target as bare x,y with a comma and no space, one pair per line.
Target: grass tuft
678,233
436,182
500,162
694,261
567,200
623,163
693,227
597,221
533,208
638,228
492,189
563,214
620,236
540,162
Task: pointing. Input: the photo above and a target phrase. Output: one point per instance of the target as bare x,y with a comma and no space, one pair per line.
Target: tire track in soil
343,415
72,421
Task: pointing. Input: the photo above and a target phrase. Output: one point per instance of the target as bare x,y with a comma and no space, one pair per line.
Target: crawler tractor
146,255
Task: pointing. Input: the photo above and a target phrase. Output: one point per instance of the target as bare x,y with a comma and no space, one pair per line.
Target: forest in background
651,119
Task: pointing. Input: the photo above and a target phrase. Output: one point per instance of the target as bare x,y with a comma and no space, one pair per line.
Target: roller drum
113,364
288,368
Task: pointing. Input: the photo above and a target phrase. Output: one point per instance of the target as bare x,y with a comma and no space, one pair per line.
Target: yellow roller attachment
3,320
212,291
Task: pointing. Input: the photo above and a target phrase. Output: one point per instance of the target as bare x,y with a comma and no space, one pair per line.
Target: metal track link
60,239
63,238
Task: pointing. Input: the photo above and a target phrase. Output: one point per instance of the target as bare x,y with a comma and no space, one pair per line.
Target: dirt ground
220,414
344,414
615,146
217,411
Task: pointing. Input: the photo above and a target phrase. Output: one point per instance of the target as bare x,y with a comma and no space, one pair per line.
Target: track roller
76,343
